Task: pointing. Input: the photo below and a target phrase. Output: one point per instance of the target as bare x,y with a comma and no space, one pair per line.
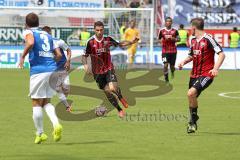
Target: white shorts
40,87
63,82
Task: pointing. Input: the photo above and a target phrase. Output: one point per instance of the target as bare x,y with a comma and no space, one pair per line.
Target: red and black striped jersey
203,51
168,46
99,50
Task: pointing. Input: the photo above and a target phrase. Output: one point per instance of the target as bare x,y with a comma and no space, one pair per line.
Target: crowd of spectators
128,3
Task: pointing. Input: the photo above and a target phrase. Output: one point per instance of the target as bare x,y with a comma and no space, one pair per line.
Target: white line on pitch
226,94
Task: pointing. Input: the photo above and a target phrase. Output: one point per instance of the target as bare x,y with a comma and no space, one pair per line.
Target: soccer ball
100,111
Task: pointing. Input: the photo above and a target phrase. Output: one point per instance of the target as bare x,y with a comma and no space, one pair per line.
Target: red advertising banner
220,35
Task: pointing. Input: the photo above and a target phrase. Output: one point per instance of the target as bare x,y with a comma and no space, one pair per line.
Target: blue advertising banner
214,12
53,3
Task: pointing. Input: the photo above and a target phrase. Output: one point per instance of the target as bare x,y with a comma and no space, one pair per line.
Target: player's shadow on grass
118,157
81,143
40,156
222,133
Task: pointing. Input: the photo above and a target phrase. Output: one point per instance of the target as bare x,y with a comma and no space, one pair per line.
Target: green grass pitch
111,138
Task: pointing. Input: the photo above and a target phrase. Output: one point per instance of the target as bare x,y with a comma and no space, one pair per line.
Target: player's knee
107,90
191,94
112,89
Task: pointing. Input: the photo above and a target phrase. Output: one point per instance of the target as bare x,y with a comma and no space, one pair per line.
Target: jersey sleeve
190,52
177,33
55,44
87,50
216,47
138,34
160,34
63,45
114,42
26,32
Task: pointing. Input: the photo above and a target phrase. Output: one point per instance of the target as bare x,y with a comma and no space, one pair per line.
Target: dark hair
133,20
198,23
168,18
98,23
47,29
235,29
181,26
32,20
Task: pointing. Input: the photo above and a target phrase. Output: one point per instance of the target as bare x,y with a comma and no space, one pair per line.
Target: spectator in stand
134,4
234,38
183,35
146,4
120,4
84,36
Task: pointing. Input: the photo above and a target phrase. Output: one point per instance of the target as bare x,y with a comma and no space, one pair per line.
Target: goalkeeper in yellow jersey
130,34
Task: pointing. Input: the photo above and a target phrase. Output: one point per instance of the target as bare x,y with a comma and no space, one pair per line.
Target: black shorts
182,45
103,79
169,58
200,83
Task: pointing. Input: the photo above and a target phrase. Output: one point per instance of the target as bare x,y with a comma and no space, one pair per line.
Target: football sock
114,101
166,76
118,93
50,110
193,114
38,119
172,70
63,99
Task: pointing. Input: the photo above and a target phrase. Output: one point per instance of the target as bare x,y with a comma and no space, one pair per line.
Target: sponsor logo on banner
11,36
9,58
76,3
221,36
14,36
214,12
55,3
24,3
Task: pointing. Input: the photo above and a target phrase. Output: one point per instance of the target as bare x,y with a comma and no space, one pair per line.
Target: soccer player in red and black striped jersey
98,48
202,51
168,37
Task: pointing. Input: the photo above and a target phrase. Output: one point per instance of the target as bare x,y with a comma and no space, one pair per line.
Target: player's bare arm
85,65
128,43
214,71
185,61
160,38
29,42
175,39
68,62
57,54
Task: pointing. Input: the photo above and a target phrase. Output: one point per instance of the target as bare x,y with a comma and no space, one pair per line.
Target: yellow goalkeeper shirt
131,34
